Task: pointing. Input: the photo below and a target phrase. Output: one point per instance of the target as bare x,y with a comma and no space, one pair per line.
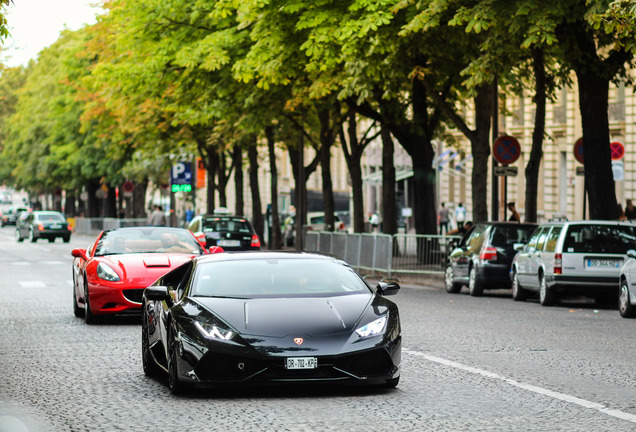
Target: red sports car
110,276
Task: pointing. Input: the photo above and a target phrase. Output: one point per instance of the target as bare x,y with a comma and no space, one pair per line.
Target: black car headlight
373,328
212,331
104,271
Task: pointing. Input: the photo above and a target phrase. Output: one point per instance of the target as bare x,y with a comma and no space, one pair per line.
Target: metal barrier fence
390,254
96,225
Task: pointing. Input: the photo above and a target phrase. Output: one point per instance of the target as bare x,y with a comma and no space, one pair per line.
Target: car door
468,247
525,257
537,258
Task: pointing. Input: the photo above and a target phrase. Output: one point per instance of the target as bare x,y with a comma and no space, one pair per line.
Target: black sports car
265,317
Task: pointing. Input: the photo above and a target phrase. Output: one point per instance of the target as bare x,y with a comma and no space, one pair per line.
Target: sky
36,24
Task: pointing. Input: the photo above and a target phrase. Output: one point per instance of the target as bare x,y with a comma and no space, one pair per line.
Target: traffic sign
618,150
181,173
506,150
578,150
506,171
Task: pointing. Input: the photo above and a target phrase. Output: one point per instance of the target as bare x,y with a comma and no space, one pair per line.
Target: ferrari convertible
269,317
109,277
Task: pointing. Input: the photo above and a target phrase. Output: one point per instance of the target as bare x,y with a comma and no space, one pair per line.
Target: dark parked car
270,317
10,216
42,224
483,257
230,232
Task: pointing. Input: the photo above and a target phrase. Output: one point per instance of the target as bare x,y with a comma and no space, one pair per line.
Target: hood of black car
280,317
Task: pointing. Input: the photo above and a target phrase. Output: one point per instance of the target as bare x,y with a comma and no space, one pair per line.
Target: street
469,364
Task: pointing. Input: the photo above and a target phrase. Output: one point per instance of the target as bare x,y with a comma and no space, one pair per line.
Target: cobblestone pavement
469,364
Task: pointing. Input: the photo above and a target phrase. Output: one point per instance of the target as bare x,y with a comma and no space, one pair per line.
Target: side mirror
387,288
79,253
631,253
157,293
216,249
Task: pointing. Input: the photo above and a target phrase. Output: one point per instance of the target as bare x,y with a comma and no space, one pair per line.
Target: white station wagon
573,258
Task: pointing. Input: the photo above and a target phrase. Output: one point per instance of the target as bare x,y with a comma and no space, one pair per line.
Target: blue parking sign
181,173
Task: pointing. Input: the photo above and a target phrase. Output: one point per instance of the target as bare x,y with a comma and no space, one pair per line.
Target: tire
66,239
449,276
626,309
518,293
89,316
176,386
32,237
77,311
150,367
475,288
546,297
18,236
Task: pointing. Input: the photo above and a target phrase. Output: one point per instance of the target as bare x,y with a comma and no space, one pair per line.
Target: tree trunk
212,166
480,146
599,180
536,153
277,240
389,207
257,209
237,161
326,142
139,199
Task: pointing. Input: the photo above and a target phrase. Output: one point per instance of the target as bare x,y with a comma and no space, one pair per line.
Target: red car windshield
147,240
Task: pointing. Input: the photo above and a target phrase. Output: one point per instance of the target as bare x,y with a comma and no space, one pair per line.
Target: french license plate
603,263
55,226
231,243
302,363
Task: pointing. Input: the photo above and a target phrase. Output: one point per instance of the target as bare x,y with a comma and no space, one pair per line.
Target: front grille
366,363
133,295
219,367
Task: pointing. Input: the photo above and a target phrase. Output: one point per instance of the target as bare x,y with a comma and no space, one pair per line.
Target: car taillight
41,227
255,241
558,262
489,253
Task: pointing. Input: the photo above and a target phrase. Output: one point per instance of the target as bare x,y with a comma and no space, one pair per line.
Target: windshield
50,217
147,240
254,278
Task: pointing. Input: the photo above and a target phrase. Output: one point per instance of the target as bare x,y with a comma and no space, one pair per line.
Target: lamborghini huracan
270,317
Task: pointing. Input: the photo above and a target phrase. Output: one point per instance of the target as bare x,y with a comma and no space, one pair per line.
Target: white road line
32,284
535,389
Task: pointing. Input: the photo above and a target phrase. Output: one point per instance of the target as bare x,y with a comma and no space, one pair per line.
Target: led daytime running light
213,332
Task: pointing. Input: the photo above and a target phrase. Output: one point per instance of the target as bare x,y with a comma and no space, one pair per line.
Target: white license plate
302,363
231,243
603,263
55,226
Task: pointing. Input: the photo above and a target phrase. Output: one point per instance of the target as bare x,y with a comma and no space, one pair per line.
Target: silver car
627,293
573,258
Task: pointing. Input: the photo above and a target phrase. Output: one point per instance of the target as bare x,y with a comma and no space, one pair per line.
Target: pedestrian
443,219
460,215
189,214
374,220
157,217
514,215
630,210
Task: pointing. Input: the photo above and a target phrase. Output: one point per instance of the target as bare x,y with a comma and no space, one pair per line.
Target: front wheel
176,386
18,236
546,297
626,309
475,288
449,280
518,293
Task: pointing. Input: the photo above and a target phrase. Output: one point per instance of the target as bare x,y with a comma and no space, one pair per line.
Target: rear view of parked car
573,258
483,257
232,233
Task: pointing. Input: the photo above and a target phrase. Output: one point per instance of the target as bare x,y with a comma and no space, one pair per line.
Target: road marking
32,284
533,388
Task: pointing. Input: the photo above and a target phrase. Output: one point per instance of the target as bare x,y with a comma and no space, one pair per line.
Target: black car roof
248,255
